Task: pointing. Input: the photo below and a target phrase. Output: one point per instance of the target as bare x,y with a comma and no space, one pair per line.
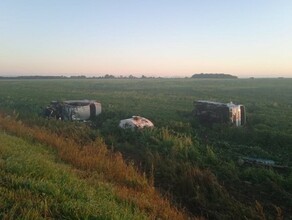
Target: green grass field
34,185
196,165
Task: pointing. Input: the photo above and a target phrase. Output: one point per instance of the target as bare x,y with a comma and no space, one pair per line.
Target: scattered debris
260,162
210,112
136,122
75,110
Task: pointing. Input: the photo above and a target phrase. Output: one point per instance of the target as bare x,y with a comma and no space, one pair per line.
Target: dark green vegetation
213,76
196,165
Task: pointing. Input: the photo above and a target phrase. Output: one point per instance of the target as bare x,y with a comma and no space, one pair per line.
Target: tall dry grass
128,183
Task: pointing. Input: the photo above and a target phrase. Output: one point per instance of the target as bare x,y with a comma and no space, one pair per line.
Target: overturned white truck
74,110
216,112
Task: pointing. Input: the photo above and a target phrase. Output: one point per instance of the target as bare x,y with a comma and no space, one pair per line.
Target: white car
75,110
136,122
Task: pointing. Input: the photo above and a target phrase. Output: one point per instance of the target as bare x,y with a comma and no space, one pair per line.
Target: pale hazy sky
150,37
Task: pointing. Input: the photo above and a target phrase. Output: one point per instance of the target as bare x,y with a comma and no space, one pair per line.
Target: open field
193,164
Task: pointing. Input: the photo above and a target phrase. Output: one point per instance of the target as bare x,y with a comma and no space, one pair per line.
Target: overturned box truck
74,110
216,112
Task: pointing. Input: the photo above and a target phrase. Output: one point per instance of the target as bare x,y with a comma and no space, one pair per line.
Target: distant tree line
110,76
106,76
33,77
213,76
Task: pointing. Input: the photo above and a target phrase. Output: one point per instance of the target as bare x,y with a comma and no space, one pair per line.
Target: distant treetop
213,76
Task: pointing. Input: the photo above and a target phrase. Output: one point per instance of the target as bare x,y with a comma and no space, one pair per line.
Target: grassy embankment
94,182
